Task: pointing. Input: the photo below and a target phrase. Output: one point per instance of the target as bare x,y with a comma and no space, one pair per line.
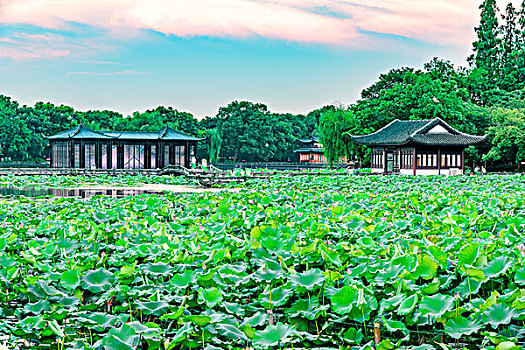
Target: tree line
240,131
486,98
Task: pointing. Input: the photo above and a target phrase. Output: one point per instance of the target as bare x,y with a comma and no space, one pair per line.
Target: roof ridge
375,132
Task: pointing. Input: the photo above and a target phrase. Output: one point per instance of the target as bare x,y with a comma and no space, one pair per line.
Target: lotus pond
296,263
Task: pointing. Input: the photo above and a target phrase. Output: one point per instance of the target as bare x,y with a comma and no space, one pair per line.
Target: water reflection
82,193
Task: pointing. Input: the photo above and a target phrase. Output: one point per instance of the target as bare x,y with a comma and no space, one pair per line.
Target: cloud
123,72
332,22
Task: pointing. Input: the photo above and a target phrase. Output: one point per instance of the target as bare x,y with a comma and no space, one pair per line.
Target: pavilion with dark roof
82,147
418,147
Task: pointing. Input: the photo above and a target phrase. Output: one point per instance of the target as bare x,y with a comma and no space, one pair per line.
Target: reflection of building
311,152
82,147
418,147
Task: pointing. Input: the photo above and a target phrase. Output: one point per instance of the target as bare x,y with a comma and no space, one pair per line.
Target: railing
277,166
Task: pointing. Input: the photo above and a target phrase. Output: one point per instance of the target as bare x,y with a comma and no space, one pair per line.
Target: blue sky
305,56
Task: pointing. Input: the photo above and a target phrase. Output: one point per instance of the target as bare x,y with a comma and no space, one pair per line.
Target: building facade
418,147
311,151
82,147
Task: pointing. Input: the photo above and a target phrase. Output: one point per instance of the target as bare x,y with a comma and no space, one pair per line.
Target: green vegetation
63,181
434,260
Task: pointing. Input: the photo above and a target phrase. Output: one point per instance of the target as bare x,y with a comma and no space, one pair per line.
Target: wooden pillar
414,161
439,161
463,161
51,155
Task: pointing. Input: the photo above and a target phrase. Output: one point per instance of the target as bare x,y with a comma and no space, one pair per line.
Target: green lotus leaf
141,329
38,308
436,305
68,302
101,216
353,336
275,297
127,270
496,267
157,269
344,300
329,255
438,255
275,245
233,308
267,275
31,323
182,333
157,308
468,288
99,321
183,280
211,296
256,320
273,335
474,273
519,278
199,320
499,314
390,303
507,345
70,279
231,332
426,268
123,338
395,326
97,281
468,254
461,326
308,279
407,305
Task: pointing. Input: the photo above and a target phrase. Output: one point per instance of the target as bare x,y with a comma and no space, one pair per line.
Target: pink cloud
445,22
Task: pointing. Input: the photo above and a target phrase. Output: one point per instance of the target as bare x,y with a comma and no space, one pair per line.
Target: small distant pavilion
311,151
82,147
418,147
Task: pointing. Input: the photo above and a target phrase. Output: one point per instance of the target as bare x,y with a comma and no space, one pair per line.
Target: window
153,158
89,156
166,155
77,155
61,154
451,159
103,156
114,157
428,159
133,156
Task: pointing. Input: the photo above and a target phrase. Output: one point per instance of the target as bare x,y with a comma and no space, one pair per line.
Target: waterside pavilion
82,147
418,147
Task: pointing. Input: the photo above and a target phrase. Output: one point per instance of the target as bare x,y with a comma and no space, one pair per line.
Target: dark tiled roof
312,140
405,132
309,150
82,132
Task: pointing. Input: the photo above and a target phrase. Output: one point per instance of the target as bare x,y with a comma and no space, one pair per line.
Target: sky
199,55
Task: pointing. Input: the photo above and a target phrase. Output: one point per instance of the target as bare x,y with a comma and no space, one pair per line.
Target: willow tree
332,128
215,144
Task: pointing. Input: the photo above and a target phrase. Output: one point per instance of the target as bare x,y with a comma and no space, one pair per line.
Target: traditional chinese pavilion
418,147
311,151
82,147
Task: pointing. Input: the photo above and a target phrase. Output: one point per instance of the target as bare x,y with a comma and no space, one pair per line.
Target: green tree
334,129
507,137
509,79
486,56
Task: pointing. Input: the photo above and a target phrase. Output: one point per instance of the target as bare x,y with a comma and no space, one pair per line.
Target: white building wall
377,170
429,172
